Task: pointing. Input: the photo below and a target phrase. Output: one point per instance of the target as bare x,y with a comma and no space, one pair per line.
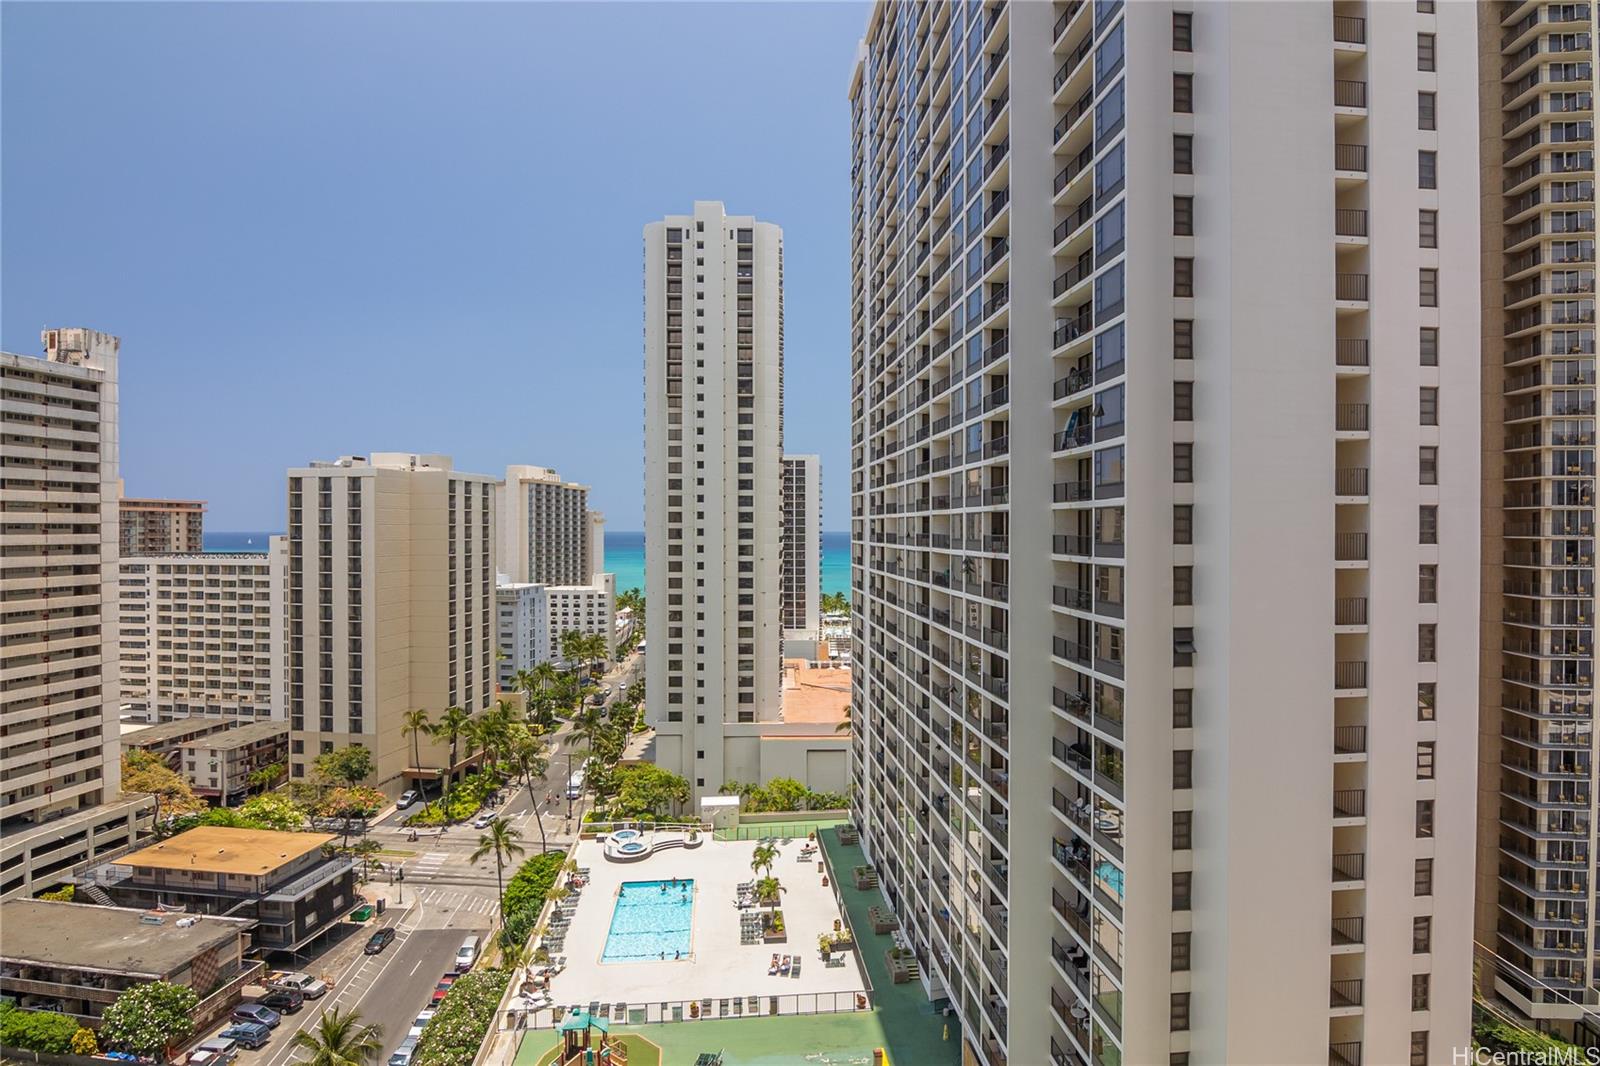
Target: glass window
1182,153
1426,695
1183,338
1183,31
1429,403
1183,93
1428,287
1428,524
1108,293
1109,113
1183,276
1109,351
1183,401
1427,169
1108,413
1109,230
1426,111
1428,228
1428,345
1108,57
1183,216
1109,174
1425,52
1108,471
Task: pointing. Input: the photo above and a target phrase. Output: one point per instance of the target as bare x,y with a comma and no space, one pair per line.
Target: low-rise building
585,609
286,882
219,766
77,958
165,740
523,617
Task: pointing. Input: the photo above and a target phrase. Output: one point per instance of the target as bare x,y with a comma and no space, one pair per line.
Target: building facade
546,528
59,742
713,364
223,766
203,634
390,606
585,609
156,527
1536,868
801,576
524,626
1149,235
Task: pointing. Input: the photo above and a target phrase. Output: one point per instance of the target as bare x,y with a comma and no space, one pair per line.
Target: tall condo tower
391,607
802,546
713,363
1165,488
1536,867
59,737
546,529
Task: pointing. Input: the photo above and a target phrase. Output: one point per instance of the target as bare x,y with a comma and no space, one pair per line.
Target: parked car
420,1023
484,820
214,1052
380,939
255,1012
467,954
407,798
248,1034
303,983
442,988
283,1000
402,1054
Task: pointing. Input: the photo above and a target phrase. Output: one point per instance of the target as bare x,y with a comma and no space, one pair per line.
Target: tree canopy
148,1019
146,774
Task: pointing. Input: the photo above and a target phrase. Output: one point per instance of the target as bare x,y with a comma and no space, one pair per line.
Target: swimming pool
652,921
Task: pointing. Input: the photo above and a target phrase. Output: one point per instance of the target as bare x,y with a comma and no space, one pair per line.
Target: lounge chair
773,969
795,972
788,961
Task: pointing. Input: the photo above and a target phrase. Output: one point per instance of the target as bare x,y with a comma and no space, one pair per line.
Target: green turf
901,1020
793,829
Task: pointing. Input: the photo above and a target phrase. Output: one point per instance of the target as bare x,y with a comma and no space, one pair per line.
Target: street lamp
400,879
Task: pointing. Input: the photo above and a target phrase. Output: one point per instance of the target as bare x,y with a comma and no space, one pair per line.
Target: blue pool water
652,920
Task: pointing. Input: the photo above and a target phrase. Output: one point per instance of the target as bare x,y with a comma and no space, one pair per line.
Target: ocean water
624,555
625,558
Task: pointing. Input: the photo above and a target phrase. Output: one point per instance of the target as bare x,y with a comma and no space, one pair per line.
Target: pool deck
719,966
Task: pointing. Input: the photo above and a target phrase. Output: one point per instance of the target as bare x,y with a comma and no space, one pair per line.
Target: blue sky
325,229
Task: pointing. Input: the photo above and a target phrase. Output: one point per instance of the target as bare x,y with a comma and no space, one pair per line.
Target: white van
575,786
468,954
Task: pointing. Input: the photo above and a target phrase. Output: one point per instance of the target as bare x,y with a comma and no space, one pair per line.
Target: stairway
93,894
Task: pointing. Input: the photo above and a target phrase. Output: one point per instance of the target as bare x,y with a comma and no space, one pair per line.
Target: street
440,899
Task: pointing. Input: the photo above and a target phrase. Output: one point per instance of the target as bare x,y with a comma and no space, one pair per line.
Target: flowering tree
149,1019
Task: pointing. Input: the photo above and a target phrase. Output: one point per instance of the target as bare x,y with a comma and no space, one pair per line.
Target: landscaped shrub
525,894
465,799
784,794
37,1030
456,1033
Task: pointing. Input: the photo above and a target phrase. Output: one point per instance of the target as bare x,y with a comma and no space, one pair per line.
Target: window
1180,952
1425,760
1426,110
1183,276
1180,1012
1183,31
1183,708
1424,818
1183,586
1428,524
1183,768
1428,287
1427,583
1425,7
1182,830
1183,523
1419,991
1428,228
1183,153
1426,692
1422,878
1183,463
1428,407
1183,338
1421,935
1183,93
1419,1039
1183,401
1427,169
1427,643
1428,465
1183,216
1428,345
1425,58
1182,889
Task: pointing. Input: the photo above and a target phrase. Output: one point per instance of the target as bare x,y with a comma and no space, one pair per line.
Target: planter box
768,935
848,835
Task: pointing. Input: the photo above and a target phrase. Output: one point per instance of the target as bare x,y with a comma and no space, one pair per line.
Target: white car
419,1024
484,820
407,798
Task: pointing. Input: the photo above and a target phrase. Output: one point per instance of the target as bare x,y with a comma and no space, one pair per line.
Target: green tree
648,789
762,858
272,810
150,1019
84,1043
769,890
845,724
145,774
348,766
366,852
265,777
526,752
501,841
414,724
451,724
37,1030
339,1038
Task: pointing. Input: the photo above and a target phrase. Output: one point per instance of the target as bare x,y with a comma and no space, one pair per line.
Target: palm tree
845,724
413,724
340,1038
525,749
500,841
769,889
545,675
451,724
571,644
366,852
763,858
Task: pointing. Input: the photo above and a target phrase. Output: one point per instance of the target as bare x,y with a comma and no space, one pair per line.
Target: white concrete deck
720,967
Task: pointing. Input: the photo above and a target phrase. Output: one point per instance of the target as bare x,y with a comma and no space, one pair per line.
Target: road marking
415,968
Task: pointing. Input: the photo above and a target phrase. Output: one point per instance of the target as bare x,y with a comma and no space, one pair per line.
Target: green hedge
456,1033
465,799
525,894
37,1030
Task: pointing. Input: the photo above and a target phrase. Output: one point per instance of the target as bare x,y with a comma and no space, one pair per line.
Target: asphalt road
405,986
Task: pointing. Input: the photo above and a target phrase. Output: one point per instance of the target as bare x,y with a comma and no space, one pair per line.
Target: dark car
255,1012
379,940
283,1000
248,1034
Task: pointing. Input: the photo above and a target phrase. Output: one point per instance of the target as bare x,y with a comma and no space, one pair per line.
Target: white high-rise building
391,606
203,634
713,367
546,528
802,546
60,748
524,626
1165,491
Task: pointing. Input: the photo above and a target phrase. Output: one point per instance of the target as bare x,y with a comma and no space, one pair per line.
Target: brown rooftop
813,695
219,849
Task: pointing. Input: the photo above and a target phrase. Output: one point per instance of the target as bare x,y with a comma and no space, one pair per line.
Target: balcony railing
1350,547
1350,222
1345,993
1351,674
1350,481
1347,29
1349,93
1350,287
1350,351
1349,930
1350,417
1345,1053
1349,739
1349,803
1350,611
1351,157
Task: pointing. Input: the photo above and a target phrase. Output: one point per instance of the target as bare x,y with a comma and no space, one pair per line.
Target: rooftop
138,735
815,695
81,936
240,736
147,503
219,849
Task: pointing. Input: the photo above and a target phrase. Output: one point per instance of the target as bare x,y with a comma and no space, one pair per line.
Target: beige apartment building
203,634
1536,867
219,766
1165,489
546,531
390,606
152,527
60,772
801,576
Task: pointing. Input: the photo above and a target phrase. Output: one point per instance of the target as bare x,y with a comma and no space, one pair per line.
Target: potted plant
825,943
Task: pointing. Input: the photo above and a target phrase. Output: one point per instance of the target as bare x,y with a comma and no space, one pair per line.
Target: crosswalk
426,865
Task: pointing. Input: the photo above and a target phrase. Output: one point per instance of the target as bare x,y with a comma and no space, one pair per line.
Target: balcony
1349,867
1350,288
1350,611
1350,158
1350,418
1346,1053
1344,994
1350,481
1350,675
1349,740
1348,931
1351,352
1350,222
1347,29
1349,803
1350,94
1350,547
